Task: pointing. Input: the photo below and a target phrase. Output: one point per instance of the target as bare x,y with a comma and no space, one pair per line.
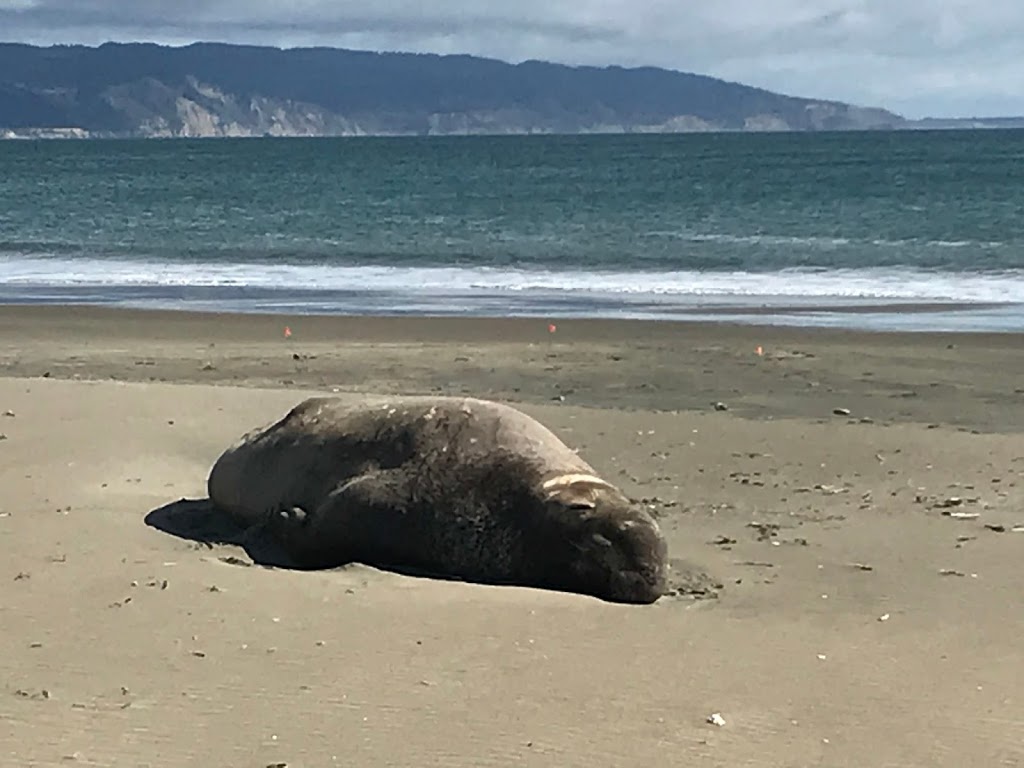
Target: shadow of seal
454,487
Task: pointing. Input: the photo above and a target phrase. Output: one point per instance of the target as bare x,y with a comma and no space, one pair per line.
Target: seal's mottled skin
457,487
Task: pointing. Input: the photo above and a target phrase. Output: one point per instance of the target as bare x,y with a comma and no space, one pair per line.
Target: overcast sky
917,57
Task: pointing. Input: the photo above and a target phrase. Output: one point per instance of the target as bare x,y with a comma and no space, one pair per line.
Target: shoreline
711,307
460,324
877,298
717,315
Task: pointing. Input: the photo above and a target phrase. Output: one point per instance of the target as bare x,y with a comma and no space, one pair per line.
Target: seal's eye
581,505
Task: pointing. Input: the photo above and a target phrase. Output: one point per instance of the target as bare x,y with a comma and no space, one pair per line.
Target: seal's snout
636,587
644,580
633,555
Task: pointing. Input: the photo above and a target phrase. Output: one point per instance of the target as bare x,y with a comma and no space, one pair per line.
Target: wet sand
856,508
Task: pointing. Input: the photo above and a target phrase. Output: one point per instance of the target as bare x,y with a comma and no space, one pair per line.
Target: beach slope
847,584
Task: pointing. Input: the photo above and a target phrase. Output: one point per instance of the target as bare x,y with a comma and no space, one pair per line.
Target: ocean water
877,230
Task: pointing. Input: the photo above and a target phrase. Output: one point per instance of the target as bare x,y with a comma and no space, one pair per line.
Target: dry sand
857,623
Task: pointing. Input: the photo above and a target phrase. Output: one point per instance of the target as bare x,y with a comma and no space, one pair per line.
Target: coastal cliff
212,89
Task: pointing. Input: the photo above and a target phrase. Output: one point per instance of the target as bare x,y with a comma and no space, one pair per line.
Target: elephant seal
458,487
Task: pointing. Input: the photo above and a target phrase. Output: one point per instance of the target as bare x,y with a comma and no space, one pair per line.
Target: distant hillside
210,89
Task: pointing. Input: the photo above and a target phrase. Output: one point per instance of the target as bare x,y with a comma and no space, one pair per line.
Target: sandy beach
854,507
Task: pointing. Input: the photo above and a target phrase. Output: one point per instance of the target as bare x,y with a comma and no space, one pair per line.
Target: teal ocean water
856,229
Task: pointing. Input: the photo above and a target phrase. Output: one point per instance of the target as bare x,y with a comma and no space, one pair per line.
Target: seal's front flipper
293,516
362,521
291,530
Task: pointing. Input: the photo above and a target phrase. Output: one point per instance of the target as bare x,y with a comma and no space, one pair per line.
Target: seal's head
616,550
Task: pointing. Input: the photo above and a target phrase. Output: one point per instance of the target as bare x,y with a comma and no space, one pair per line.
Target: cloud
940,57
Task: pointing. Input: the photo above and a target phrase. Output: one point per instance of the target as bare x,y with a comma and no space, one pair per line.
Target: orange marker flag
552,328
287,332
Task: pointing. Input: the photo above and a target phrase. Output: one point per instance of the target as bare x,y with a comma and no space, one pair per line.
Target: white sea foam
897,284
